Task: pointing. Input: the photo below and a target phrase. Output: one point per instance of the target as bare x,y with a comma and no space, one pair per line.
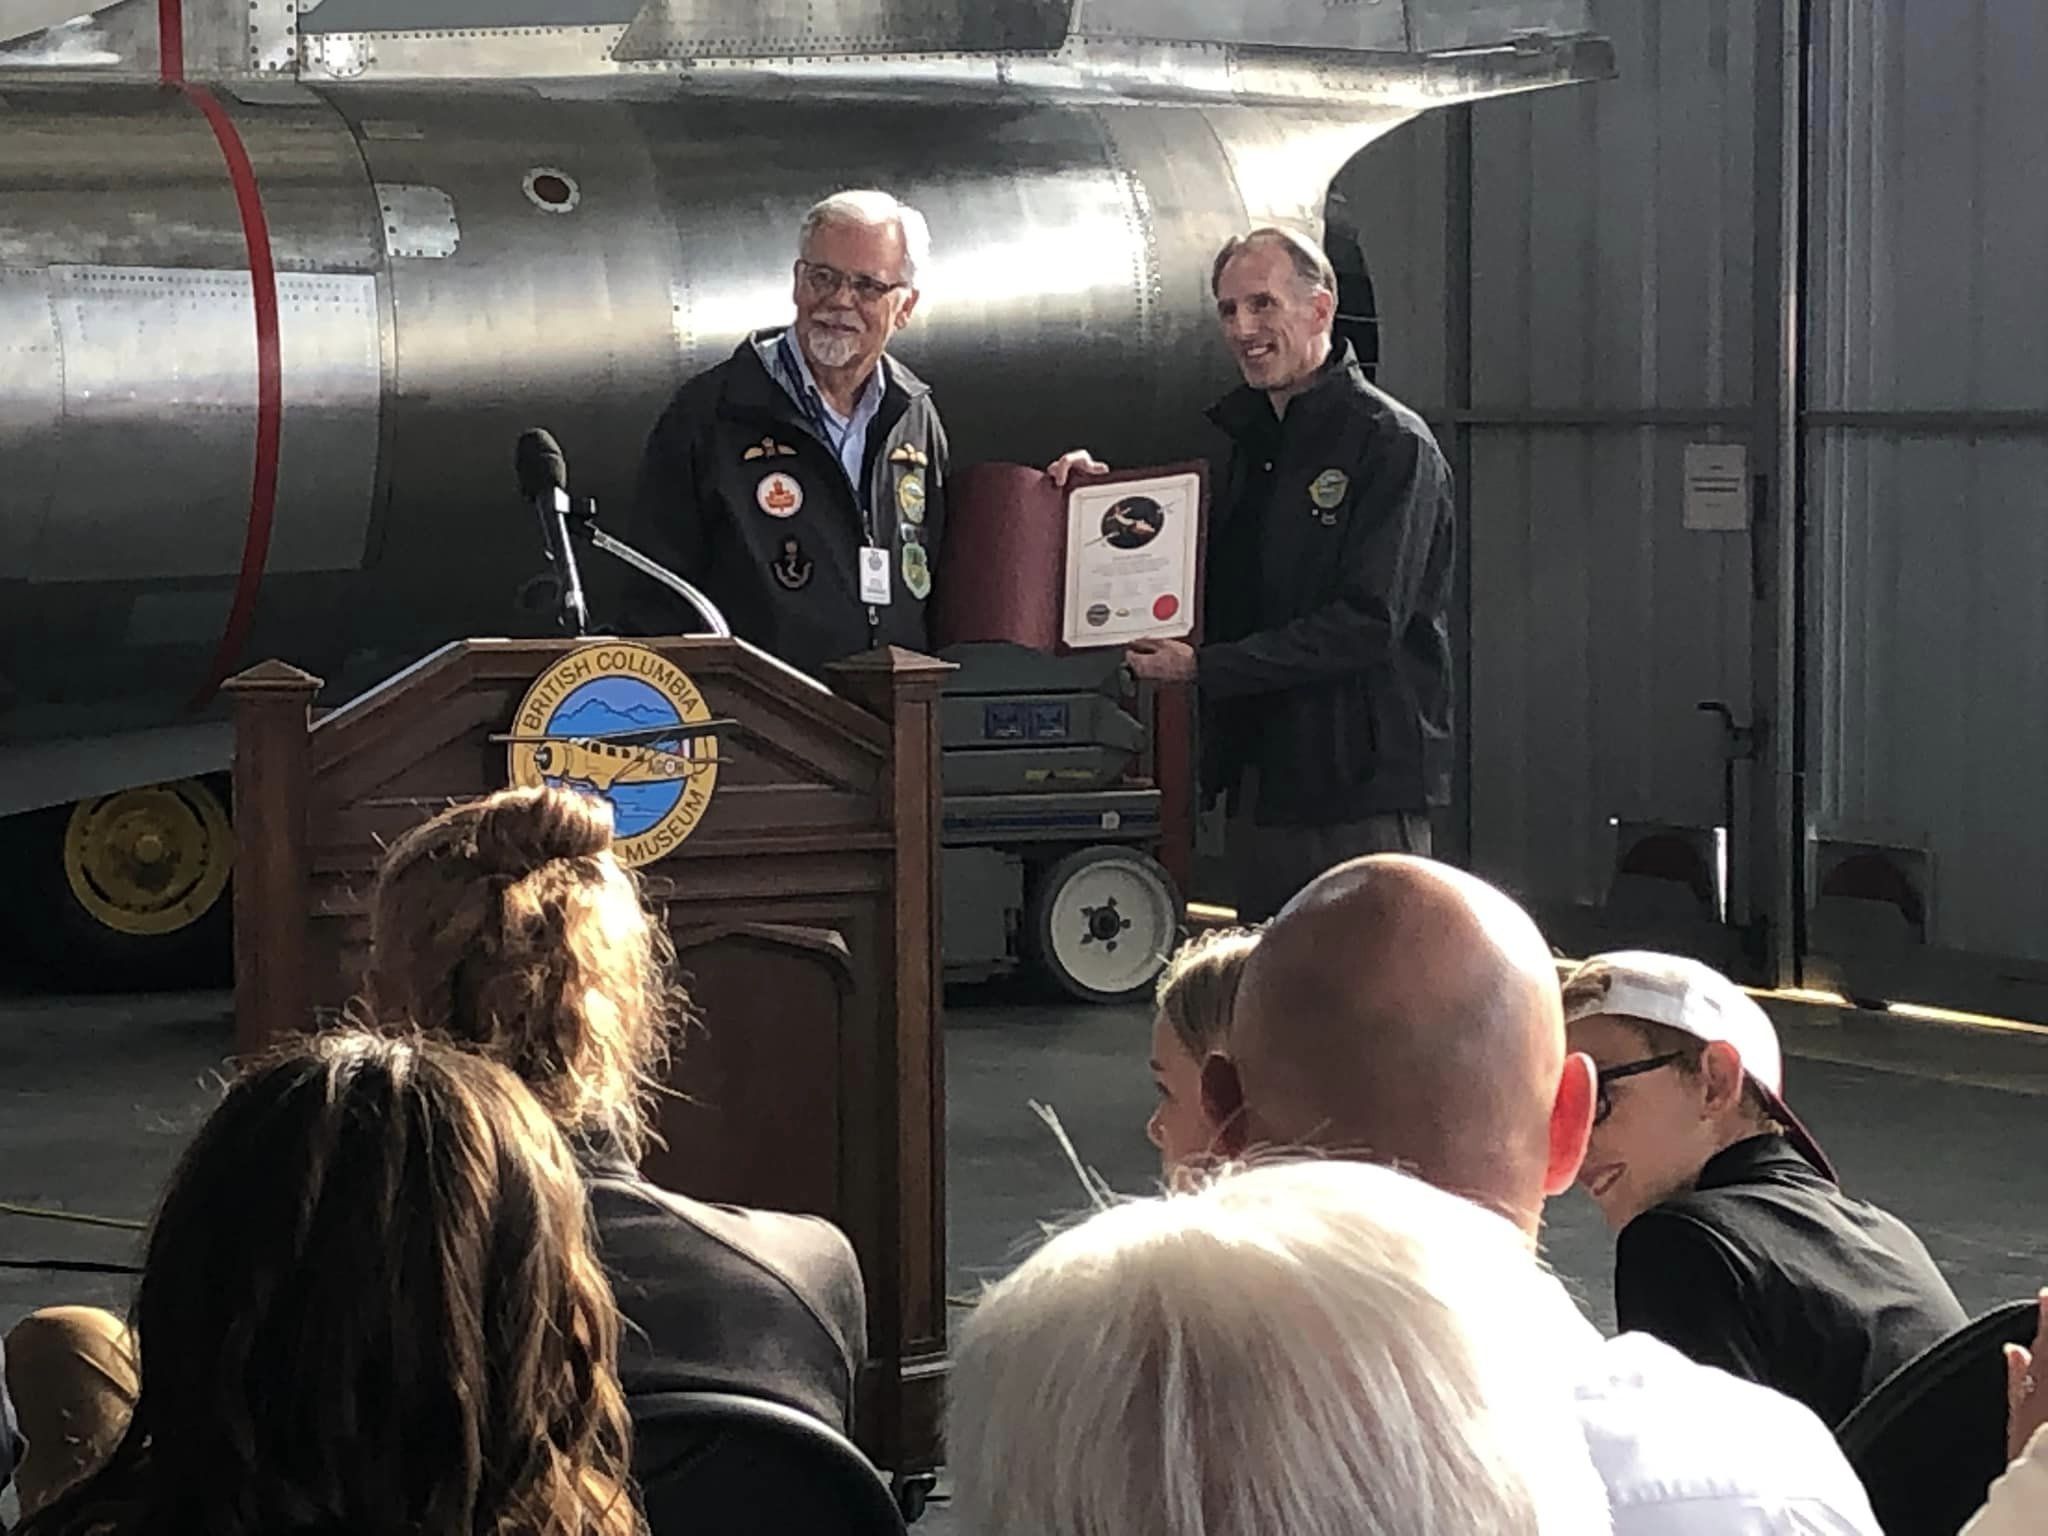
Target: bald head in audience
1401,1011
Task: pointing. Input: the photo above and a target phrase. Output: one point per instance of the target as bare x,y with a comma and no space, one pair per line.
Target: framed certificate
1134,551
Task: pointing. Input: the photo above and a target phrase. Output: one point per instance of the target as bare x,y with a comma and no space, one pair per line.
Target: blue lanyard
814,410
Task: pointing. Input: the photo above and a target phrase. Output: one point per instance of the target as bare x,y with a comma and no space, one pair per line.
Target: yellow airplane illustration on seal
624,757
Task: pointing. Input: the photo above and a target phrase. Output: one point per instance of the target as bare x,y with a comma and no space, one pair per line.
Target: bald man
1403,1012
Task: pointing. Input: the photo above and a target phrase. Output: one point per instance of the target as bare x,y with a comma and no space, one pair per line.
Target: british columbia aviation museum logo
624,723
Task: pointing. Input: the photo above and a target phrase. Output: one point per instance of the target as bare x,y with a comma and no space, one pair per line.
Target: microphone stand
580,521
574,611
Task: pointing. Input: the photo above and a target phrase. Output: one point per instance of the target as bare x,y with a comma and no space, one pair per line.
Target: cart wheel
1104,922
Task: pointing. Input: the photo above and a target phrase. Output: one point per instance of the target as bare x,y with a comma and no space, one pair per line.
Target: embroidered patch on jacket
792,568
1327,489
910,496
917,571
779,495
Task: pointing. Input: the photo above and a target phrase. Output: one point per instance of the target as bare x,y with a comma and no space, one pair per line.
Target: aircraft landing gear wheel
127,891
1104,922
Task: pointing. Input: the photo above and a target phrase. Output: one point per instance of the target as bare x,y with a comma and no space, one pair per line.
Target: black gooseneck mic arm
544,482
583,525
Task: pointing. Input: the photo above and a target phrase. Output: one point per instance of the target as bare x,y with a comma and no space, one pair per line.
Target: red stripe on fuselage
170,41
269,382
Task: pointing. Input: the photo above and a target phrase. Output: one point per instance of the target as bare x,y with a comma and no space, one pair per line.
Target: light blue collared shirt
846,436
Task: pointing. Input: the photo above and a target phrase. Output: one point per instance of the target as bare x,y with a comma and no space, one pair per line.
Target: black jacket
784,568
719,1299
1767,1270
1327,665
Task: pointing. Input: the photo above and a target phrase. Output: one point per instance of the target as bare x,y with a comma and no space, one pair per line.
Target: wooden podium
803,904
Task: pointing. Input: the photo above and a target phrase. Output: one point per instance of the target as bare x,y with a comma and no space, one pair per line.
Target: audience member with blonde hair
509,926
368,1304
1308,1348
1191,1017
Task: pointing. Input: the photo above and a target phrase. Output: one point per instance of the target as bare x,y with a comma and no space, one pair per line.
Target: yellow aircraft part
149,861
602,766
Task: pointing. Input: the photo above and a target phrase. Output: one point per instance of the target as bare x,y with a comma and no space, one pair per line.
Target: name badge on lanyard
874,575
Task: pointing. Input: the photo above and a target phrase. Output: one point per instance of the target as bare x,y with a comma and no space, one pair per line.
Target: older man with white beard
801,482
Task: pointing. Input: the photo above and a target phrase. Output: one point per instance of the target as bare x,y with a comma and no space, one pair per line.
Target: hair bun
522,829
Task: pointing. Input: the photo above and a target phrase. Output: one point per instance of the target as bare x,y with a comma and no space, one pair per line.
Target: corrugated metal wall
1929,296
1611,317
1613,299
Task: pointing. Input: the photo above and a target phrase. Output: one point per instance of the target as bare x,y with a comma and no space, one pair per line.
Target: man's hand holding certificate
1076,557
1133,560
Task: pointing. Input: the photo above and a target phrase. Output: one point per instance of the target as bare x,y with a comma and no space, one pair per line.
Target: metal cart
1052,824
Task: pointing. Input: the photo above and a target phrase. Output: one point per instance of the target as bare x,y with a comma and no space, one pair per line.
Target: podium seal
612,720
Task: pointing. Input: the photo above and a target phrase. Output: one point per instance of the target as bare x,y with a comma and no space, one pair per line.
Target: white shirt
2018,1505
1686,1450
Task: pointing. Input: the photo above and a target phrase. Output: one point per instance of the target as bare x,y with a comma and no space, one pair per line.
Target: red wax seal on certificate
1166,608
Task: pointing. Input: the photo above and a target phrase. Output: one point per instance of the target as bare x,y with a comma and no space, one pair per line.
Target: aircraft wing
1401,54
1405,54
694,29
22,18
691,731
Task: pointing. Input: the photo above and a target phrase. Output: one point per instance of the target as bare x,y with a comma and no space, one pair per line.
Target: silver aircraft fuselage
266,344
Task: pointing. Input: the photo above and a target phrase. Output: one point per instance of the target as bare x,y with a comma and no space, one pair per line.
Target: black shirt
1767,1270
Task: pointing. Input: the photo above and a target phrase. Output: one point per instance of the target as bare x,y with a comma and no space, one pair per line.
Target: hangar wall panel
1598,624
1611,324
1928,463
1612,224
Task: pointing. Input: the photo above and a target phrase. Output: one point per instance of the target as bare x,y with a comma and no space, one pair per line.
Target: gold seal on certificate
1133,556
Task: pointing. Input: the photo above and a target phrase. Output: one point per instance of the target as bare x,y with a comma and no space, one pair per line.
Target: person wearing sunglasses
1736,1242
801,482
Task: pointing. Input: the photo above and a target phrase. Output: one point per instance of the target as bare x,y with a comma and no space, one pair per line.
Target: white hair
1315,1348
874,210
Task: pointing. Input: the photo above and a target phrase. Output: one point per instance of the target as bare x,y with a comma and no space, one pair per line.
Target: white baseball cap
1696,1000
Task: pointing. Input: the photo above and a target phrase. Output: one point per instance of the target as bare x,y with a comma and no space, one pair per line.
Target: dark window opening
1358,314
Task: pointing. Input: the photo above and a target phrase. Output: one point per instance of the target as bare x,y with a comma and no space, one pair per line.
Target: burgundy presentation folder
1002,573
1002,564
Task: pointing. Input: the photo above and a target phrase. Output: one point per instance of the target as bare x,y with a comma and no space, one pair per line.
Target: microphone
544,483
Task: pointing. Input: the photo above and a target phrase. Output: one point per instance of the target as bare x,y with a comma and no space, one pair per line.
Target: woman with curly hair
509,926
368,1304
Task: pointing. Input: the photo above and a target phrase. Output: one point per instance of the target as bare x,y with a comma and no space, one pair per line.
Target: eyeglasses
821,282
1603,1105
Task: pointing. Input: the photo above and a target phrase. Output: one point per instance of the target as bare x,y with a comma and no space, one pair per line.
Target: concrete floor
1942,1125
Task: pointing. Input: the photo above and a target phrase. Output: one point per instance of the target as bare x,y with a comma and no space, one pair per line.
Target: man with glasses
801,482
1737,1244
1404,1012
